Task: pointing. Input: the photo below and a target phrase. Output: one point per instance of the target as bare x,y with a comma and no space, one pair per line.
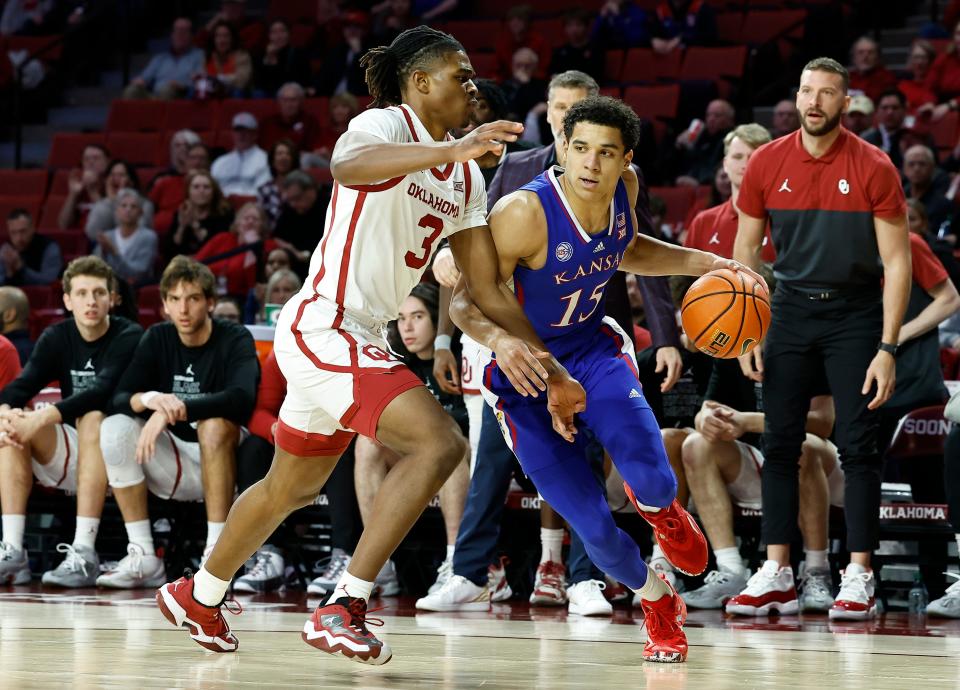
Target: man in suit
891,127
479,527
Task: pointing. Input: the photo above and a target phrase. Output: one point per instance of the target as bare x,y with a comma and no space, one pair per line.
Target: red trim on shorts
753,456
618,341
304,444
469,391
176,455
380,388
510,426
442,175
66,462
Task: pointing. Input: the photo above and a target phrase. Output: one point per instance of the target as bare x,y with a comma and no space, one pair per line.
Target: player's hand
147,443
736,424
445,268
883,372
445,371
521,365
669,360
751,364
565,398
487,138
8,433
23,427
713,423
737,266
172,407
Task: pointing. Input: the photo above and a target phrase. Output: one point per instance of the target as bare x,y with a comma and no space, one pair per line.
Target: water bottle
944,229
918,598
221,286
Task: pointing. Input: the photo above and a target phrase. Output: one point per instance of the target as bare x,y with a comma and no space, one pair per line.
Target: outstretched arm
361,158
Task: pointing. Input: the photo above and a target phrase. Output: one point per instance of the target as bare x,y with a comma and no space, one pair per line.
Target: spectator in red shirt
9,362
715,229
167,191
914,87
868,74
944,79
290,121
343,108
227,63
517,34
239,270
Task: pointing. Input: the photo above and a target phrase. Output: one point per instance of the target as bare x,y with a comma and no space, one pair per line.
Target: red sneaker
340,627
206,623
677,534
549,585
664,618
769,590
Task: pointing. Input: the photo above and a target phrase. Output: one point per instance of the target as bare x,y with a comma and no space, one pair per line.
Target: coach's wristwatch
887,347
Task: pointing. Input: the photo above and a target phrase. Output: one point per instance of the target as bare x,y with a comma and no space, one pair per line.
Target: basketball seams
743,316
717,317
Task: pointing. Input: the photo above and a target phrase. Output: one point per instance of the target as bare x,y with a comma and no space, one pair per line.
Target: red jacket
240,269
270,395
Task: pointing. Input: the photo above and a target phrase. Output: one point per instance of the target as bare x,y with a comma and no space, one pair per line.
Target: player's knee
216,433
118,444
450,448
695,452
88,426
809,457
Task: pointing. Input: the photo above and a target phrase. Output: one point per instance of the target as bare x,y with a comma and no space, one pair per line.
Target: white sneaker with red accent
770,589
856,600
550,585
500,589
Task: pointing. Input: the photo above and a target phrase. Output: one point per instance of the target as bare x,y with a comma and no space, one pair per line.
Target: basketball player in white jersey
401,185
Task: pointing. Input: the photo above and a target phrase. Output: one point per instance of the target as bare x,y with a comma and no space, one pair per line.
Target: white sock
450,548
816,559
654,588
659,555
856,569
729,559
209,589
551,545
13,526
139,533
214,530
351,586
86,534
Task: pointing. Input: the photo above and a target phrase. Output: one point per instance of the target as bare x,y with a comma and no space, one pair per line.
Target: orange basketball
726,313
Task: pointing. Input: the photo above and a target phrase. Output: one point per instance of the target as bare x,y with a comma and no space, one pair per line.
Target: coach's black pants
840,337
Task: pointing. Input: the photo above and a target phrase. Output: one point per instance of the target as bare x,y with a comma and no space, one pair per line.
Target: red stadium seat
29,203
67,148
679,200
258,107
199,116
41,318
148,174
137,148
137,116
920,433
653,102
944,130
72,242
710,64
51,211
949,363
23,182
148,317
613,65
611,91
32,44
301,34
729,27
293,11
148,297
474,34
238,200
761,27
319,108
41,296
550,29
484,64
644,65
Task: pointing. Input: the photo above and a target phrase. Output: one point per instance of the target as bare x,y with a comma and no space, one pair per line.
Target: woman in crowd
284,156
102,217
228,65
167,192
205,212
277,259
281,286
236,274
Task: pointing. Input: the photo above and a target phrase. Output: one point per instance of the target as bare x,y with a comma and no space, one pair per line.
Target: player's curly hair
387,67
607,112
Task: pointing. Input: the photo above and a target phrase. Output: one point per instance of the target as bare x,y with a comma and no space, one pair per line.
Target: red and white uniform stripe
378,241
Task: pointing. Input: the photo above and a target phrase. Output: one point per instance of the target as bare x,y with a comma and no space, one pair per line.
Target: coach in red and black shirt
839,227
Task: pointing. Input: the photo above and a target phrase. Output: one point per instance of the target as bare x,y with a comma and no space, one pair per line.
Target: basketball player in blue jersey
560,238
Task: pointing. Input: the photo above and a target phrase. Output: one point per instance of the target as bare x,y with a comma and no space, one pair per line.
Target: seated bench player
60,444
181,405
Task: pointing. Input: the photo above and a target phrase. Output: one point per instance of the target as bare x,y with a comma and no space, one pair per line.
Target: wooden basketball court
94,639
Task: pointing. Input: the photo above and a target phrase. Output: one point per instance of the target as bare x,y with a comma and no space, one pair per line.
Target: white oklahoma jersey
378,241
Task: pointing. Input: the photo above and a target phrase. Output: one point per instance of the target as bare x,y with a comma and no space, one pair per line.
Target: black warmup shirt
216,379
453,405
88,372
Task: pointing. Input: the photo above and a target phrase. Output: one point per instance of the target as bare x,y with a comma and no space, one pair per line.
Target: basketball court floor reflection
93,640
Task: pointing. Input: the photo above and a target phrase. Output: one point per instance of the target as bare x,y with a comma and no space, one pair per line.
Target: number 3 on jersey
428,222
573,299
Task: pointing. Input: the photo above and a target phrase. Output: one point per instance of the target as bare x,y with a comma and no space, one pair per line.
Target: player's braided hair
387,67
